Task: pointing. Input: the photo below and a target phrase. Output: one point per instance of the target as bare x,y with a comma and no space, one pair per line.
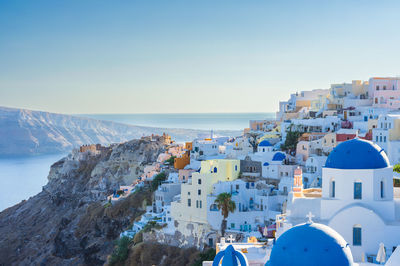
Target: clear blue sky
188,56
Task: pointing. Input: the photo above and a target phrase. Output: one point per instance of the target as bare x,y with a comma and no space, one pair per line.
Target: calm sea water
23,177
215,121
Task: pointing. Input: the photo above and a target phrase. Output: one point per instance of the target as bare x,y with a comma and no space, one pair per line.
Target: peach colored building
91,148
185,174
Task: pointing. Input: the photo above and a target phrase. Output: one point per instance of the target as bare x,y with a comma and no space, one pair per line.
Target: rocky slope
68,222
34,132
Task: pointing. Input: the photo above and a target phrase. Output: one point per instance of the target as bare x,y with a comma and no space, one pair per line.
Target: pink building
185,175
385,92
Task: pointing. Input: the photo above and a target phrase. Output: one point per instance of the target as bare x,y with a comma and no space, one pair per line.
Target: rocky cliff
68,223
34,132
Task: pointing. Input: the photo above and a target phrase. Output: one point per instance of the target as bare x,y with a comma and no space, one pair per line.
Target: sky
97,56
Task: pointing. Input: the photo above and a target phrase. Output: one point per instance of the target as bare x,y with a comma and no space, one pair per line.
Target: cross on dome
230,239
310,216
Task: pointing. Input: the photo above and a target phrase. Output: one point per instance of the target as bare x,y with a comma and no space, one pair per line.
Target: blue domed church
310,244
357,200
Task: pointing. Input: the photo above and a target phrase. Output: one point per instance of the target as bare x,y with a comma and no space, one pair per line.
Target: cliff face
34,132
67,223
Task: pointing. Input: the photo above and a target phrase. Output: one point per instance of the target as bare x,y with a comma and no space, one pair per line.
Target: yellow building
193,204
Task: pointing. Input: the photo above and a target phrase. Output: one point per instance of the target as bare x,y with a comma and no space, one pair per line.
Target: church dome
310,244
279,156
265,143
357,154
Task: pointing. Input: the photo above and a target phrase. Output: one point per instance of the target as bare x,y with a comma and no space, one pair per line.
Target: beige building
329,142
192,206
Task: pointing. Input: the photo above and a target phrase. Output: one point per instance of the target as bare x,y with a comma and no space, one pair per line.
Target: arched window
382,189
357,190
332,189
357,235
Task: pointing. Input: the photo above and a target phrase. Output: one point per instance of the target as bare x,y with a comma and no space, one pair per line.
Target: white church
357,199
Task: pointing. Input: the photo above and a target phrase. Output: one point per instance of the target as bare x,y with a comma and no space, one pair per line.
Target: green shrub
171,160
396,168
292,138
157,180
121,251
205,255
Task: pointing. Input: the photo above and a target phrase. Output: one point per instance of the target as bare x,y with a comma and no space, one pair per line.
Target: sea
23,177
204,121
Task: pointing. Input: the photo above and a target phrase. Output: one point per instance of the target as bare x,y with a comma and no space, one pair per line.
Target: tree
226,205
292,138
157,180
253,139
396,168
171,160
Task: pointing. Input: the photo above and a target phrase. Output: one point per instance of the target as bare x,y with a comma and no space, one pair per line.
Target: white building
312,174
204,148
356,200
387,136
254,205
164,195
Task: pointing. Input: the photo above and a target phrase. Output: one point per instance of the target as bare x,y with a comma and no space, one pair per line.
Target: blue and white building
357,199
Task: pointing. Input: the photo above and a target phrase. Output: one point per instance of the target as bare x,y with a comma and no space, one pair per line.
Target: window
232,225
377,87
188,192
197,203
199,181
384,87
199,192
189,203
376,138
357,235
380,139
357,190
200,204
237,187
333,189
263,149
210,242
235,167
215,169
382,190
384,139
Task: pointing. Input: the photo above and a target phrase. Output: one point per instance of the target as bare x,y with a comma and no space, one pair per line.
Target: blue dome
279,156
310,244
264,143
266,164
357,154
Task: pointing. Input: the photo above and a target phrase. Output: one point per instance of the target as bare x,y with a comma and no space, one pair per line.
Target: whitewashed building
357,199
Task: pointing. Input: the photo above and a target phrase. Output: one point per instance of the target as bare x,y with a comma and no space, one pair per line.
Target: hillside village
328,155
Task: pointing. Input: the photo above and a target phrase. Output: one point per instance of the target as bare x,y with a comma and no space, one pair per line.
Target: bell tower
298,182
